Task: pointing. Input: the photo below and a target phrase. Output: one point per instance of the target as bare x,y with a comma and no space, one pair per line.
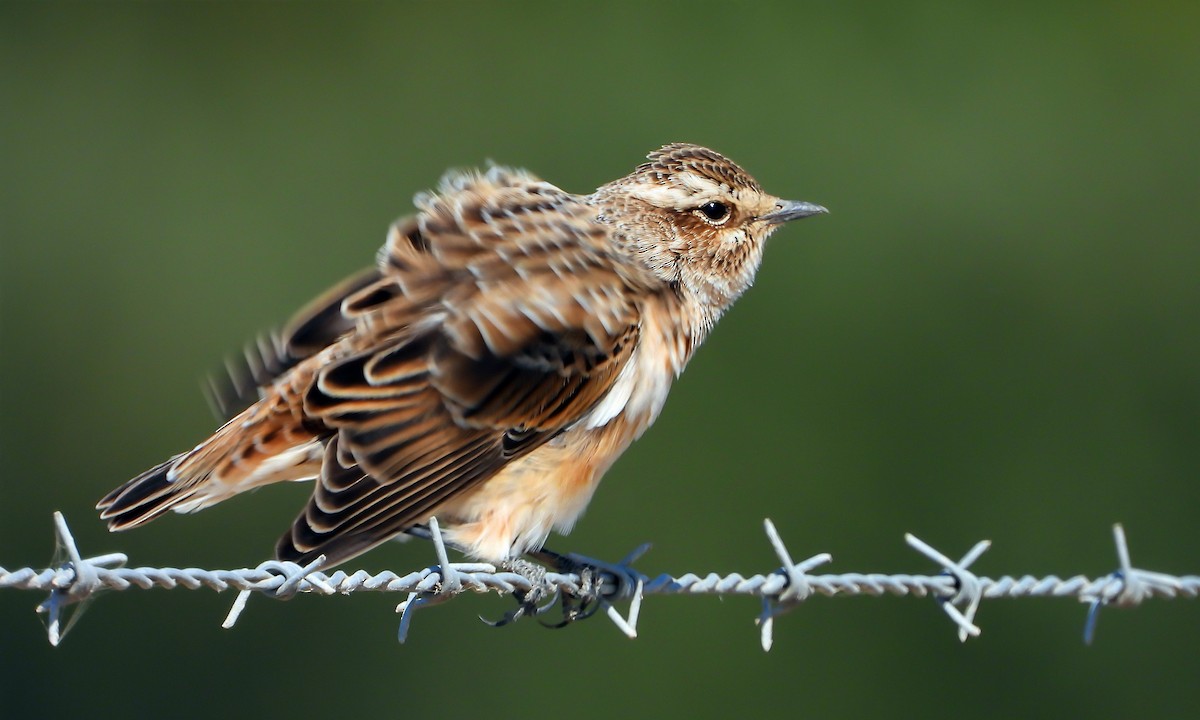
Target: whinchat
510,343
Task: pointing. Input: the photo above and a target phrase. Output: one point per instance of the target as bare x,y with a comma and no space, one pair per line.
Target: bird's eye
714,211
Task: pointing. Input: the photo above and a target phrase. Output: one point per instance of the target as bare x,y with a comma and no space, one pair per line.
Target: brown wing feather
501,317
312,329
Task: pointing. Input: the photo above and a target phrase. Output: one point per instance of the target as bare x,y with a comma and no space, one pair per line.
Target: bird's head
697,220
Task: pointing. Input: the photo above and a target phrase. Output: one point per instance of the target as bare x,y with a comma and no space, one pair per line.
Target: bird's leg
577,605
598,582
527,600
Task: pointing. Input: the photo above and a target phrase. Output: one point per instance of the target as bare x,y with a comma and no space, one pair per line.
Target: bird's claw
575,607
599,584
527,605
527,600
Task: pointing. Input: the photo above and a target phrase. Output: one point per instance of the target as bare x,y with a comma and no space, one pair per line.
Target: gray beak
788,210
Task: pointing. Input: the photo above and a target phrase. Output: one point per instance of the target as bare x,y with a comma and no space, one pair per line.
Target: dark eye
715,211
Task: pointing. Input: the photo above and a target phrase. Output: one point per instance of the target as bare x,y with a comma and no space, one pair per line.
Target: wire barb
82,582
449,583
292,575
970,591
1128,586
588,585
793,593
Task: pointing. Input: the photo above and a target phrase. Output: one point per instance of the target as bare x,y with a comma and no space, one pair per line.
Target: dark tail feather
143,498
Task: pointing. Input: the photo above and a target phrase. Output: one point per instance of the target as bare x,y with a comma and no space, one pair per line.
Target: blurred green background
995,334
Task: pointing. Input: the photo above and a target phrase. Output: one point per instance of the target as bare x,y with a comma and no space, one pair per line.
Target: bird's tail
145,497
260,446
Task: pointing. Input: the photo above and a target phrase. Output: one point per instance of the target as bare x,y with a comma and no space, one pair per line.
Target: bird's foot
529,602
600,583
594,587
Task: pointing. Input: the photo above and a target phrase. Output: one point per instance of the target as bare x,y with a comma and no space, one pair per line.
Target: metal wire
598,585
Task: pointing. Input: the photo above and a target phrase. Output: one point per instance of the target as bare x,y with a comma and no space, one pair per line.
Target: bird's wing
503,314
315,327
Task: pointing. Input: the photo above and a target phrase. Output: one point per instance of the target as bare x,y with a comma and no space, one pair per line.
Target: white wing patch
615,400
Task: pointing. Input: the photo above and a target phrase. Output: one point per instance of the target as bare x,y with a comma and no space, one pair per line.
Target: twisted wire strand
956,588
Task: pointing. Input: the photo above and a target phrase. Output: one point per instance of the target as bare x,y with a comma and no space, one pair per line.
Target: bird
510,342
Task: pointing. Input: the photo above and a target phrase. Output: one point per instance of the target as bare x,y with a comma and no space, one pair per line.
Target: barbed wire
594,585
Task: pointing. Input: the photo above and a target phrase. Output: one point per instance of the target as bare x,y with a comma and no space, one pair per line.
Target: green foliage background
995,334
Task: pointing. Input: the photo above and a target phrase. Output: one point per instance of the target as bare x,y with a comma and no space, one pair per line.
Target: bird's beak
788,210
